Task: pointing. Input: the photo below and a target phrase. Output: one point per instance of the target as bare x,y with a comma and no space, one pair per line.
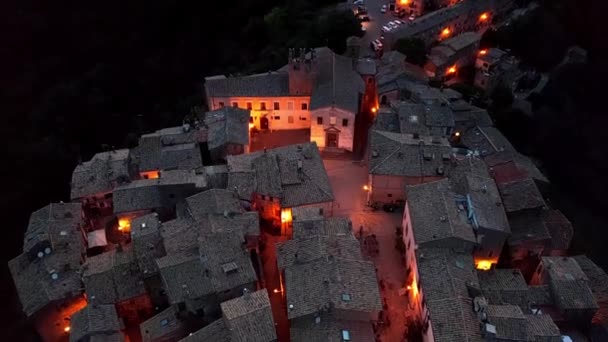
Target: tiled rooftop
405,155
101,174
248,174
94,320
266,84
435,213
112,277
331,282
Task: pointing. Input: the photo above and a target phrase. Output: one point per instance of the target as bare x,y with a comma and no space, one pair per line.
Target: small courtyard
376,231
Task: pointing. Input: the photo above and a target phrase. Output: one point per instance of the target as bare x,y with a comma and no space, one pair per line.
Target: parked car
383,9
412,17
386,28
363,17
392,25
376,45
358,2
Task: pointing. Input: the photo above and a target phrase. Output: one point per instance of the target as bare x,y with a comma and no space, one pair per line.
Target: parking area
376,231
373,28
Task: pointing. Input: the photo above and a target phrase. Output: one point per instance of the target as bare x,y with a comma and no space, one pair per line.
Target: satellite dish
40,254
47,251
54,276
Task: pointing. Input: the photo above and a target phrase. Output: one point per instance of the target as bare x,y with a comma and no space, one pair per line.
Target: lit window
304,106
277,106
345,335
332,120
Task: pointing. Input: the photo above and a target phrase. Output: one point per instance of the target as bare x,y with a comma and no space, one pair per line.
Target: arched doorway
383,100
264,122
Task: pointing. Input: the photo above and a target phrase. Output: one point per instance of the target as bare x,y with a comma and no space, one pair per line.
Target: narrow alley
347,179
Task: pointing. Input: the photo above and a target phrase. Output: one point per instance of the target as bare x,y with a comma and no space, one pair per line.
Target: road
373,27
350,201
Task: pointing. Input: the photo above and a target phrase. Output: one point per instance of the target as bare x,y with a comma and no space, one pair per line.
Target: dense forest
566,133
80,76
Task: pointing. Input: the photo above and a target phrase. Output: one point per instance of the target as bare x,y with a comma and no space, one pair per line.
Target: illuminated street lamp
67,329
365,187
451,70
483,17
483,52
404,2
446,32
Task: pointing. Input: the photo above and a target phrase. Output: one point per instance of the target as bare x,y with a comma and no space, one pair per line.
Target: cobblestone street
347,179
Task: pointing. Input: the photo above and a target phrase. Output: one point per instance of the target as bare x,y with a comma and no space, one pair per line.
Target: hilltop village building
447,22
452,54
317,90
300,181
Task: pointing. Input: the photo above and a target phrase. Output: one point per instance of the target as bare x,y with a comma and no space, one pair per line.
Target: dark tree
413,49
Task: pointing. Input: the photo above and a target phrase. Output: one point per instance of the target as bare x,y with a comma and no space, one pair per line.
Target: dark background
78,75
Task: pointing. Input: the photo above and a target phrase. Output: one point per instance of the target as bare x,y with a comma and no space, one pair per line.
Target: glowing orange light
404,2
483,52
484,17
414,288
66,329
374,109
409,287
286,215
124,224
251,126
150,174
276,291
457,134
365,187
484,264
452,70
446,32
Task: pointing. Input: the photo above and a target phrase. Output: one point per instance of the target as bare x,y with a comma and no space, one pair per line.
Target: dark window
485,65
490,254
249,106
221,104
319,120
389,195
277,212
304,106
171,195
235,104
262,105
107,196
277,118
277,106
251,119
303,118
290,119
369,80
344,122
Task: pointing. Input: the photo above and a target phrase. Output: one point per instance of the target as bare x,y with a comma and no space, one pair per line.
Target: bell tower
301,71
